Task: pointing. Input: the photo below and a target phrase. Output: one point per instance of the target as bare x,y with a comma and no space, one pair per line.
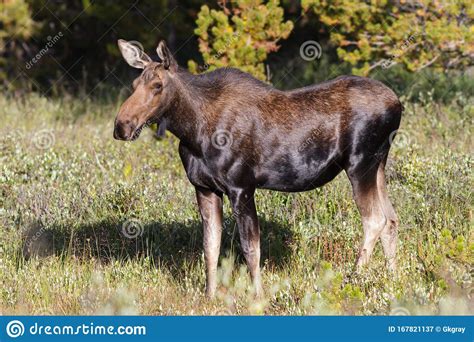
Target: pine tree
16,25
241,35
416,34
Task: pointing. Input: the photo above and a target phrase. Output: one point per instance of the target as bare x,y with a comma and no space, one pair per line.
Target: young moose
238,134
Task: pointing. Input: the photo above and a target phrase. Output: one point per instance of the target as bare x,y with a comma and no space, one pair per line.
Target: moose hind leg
389,234
368,201
245,213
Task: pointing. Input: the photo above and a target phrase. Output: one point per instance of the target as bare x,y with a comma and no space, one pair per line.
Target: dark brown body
238,134
286,141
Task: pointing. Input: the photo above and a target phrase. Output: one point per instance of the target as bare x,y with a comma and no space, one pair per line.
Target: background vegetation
91,225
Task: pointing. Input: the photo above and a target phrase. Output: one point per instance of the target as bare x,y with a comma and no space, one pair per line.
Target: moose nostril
123,129
119,131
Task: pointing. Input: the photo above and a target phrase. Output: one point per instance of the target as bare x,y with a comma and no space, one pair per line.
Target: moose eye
157,86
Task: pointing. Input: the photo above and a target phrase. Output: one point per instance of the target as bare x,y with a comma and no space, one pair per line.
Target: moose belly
300,173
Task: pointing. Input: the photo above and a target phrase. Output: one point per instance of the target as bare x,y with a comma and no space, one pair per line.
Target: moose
238,134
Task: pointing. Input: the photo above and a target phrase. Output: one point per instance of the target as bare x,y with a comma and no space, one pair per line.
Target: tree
416,34
16,25
240,36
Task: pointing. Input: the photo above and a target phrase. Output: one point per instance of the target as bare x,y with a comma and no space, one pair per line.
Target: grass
70,195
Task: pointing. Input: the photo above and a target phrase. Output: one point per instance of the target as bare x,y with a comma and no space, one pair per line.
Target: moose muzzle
124,130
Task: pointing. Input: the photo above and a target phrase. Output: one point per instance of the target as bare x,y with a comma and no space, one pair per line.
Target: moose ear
166,57
133,54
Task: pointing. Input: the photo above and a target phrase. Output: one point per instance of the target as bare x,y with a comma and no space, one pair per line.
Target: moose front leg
245,213
210,207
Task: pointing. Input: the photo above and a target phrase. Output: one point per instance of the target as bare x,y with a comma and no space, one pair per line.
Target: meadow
91,225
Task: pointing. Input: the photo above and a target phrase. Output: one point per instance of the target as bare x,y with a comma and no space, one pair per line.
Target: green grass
67,187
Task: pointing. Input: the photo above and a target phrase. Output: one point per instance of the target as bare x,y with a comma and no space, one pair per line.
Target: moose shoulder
238,134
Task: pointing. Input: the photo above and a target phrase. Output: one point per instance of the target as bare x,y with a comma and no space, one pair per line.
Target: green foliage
15,25
443,87
336,297
242,36
449,248
415,34
15,17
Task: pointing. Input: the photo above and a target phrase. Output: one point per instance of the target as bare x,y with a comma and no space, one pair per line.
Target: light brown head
152,90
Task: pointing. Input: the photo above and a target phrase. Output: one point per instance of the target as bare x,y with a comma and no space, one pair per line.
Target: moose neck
186,114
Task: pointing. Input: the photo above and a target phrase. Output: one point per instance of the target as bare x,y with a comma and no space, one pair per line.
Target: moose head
152,90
